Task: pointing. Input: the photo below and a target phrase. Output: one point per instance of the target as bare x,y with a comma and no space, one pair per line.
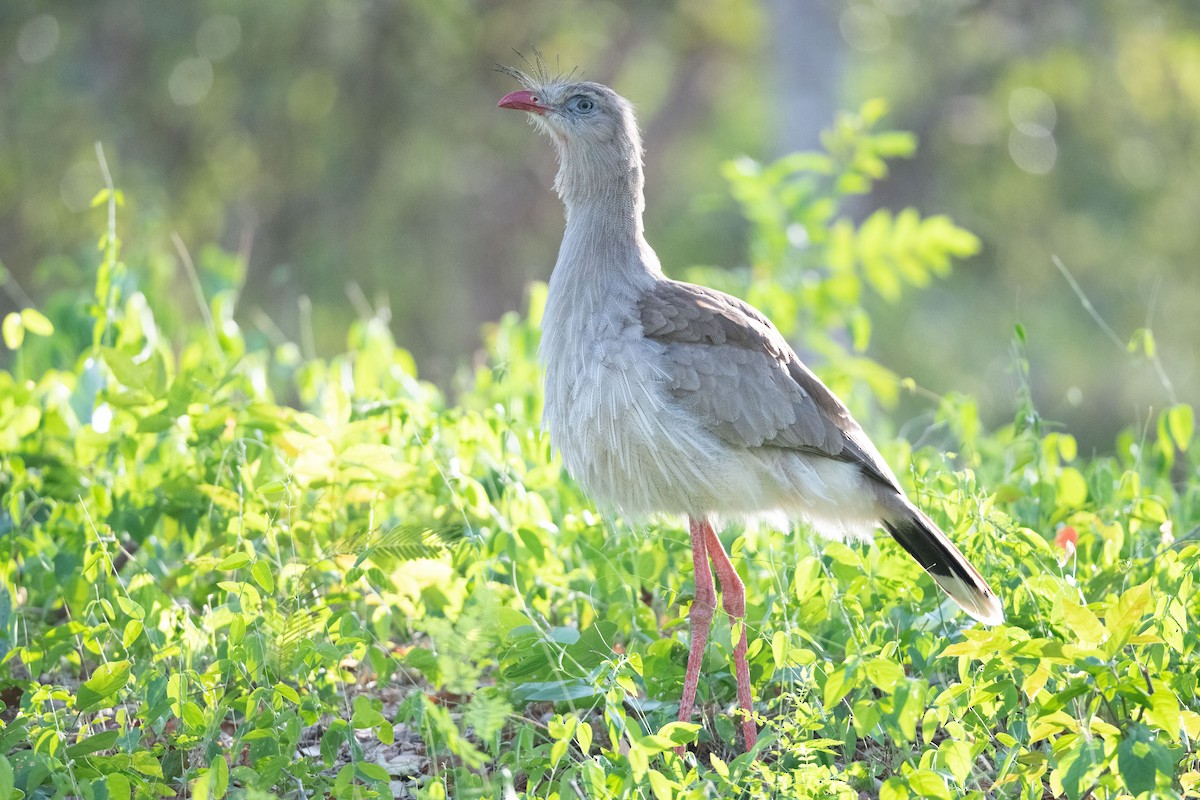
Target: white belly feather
634,449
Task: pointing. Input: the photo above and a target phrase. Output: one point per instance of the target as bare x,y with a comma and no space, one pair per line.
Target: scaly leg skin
733,600
704,603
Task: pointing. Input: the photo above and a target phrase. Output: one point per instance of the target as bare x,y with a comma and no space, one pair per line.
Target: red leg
733,600
700,615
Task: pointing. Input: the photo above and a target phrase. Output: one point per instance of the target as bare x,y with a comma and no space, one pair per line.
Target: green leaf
261,573
1077,765
36,322
133,630
839,682
145,762
1071,489
287,692
6,779
927,783
373,772
1082,622
92,744
894,789
883,673
118,787
662,786
1164,712
1125,614
678,732
365,715
234,561
219,769
1181,422
583,737
98,691
955,756
14,331
1136,766
130,608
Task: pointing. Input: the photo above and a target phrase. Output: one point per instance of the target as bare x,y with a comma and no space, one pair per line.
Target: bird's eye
583,104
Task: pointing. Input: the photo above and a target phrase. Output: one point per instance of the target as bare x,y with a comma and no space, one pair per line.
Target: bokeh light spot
865,28
190,81
218,36
1032,110
38,39
1034,152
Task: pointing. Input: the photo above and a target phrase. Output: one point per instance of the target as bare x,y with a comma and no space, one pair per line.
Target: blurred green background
351,156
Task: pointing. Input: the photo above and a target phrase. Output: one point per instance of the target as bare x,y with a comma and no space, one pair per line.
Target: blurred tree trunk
808,60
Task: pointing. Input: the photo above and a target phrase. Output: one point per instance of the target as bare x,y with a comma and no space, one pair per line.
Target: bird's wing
735,372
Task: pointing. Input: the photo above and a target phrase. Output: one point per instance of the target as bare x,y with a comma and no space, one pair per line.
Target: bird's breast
621,435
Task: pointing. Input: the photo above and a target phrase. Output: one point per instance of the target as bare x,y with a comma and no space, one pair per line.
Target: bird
665,397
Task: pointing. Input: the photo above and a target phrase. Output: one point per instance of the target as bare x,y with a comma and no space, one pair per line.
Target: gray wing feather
735,372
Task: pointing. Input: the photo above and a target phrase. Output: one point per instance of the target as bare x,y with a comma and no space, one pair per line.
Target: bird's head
593,128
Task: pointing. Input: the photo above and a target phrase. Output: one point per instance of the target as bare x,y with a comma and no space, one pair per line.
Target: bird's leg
733,600
703,604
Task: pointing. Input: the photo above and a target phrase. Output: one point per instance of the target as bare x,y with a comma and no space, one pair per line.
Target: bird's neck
590,182
603,243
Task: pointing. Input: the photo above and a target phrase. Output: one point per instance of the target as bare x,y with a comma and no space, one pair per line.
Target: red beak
523,101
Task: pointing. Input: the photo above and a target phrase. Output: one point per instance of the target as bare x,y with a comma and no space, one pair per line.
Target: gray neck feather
604,258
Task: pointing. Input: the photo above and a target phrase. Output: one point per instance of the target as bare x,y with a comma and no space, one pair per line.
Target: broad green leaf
219,769
262,575
927,783
365,714
98,691
119,787
234,561
192,716
1035,681
1083,623
36,322
1181,422
662,786
145,762
1078,765
678,732
583,737
244,592
839,682
287,692
1071,488
557,691
372,772
14,331
92,744
133,630
1136,766
955,756
201,786
130,608
883,673
894,789
1125,614
1164,712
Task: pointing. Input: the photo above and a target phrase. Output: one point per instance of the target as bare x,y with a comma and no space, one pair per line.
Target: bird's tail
918,534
